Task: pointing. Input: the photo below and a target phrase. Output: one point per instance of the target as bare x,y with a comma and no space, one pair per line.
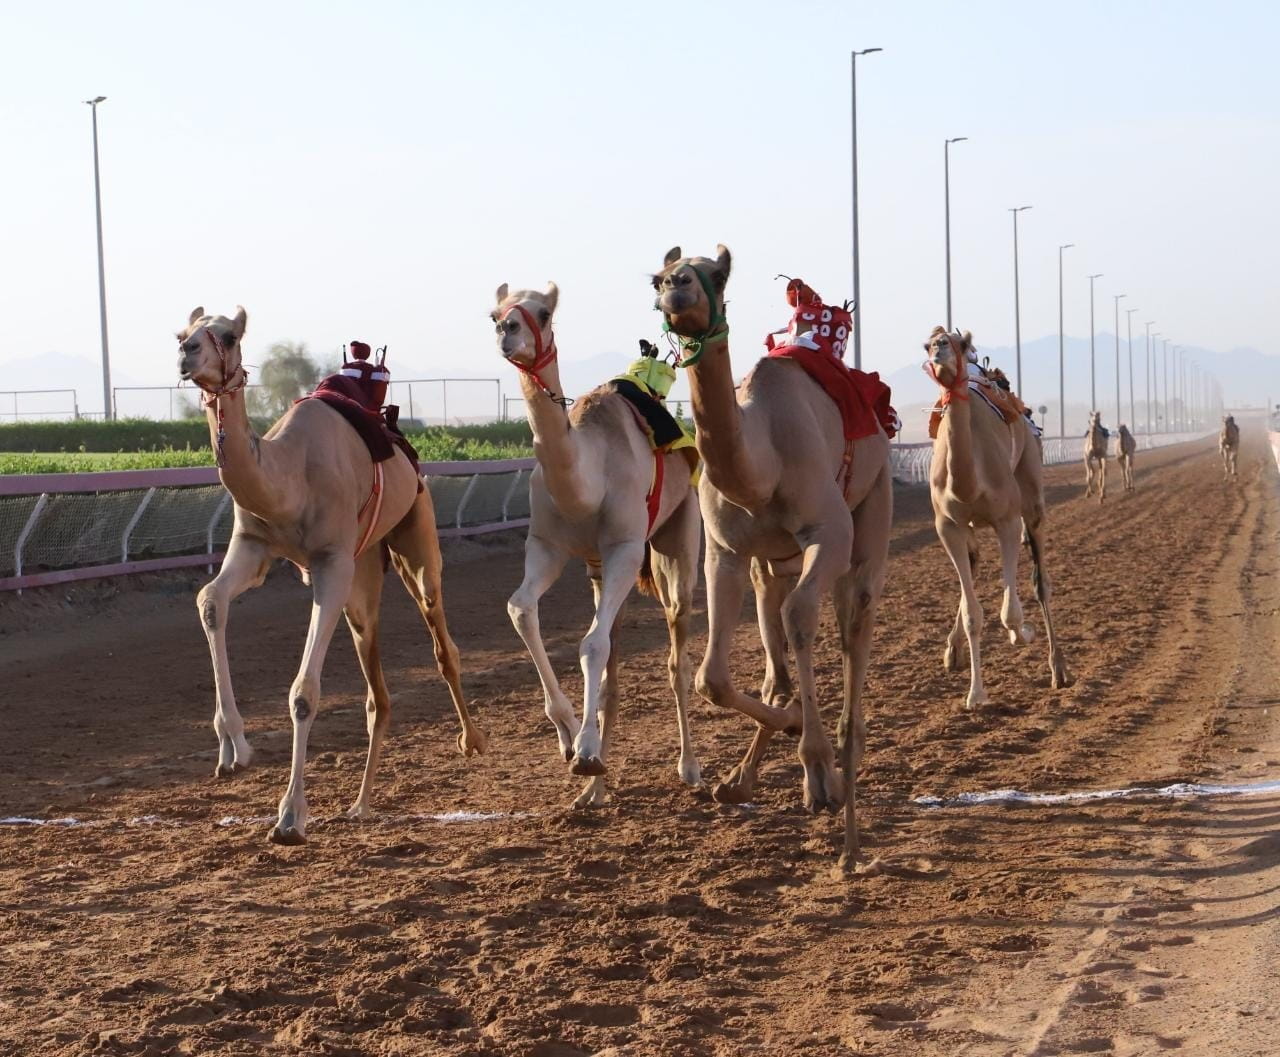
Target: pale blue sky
376,169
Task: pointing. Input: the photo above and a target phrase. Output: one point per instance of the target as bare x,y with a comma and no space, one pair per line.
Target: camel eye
544,317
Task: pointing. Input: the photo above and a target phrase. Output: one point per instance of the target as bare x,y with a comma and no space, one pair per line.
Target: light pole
857,292
1062,376
1118,412
946,184
1148,375
102,277
1093,373
1017,306
1133,418
1164,369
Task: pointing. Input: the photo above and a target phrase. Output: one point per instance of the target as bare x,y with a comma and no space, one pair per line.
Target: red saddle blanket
862,398
377,428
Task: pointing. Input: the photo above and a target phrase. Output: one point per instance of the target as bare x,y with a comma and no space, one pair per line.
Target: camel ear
196,313
501,293
723,261
552,296
967,338
672,256
239,321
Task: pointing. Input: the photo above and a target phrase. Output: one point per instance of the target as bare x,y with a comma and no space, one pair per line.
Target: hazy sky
374,170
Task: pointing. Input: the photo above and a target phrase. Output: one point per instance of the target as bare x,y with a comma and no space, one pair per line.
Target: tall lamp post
1118,411
946,184
1062,375
1093,371
102,277
1149,322
857,292
1164,370
1017,305
1133,418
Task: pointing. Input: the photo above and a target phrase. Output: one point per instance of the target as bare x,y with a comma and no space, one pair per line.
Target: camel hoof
824,790
691,774
587,766
971,702
1063,679
288,836
734,790
473,742
593,796
357,812
224,771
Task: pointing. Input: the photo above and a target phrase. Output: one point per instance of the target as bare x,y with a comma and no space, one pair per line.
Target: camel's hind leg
857,596
1009,533
362,618
1102,480
955,543
675,566
1033,521
331,586
543,564
951,654
415,552
245,566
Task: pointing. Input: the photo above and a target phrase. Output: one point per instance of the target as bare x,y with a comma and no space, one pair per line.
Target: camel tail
644,580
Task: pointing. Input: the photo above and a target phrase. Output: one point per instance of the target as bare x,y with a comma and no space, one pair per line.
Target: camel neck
239,453
555,443
719,421
957,426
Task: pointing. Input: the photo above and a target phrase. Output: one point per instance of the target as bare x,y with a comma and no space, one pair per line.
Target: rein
717,327
542,356
212,397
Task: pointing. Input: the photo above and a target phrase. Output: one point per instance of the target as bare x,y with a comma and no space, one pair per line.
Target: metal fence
17,405
55,528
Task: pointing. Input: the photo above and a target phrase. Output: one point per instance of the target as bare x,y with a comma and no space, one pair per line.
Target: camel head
209,349
948,355
691,294
522,320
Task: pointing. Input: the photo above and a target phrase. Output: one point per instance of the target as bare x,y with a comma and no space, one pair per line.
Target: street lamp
1164,369
1118,412
946,184
1149,322
1062,377
1133,418
1017,307
1093,374
857,292
102,279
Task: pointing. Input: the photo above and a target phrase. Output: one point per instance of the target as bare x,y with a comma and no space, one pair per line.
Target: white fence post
462,503
32,518
133,521
213,524
506,500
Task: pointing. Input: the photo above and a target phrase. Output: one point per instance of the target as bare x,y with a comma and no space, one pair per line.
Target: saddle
992,385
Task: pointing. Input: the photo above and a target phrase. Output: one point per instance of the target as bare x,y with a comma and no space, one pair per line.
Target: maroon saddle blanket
377,427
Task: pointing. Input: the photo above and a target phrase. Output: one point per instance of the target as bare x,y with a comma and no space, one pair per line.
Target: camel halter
211,396
957,390
542,356
717,326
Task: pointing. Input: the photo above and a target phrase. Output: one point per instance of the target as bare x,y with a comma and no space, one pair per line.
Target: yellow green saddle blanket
644,386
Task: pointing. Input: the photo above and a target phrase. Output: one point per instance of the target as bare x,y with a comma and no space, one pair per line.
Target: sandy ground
665,924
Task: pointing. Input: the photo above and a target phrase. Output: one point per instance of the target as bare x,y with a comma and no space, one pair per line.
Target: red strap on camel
652,501
542,356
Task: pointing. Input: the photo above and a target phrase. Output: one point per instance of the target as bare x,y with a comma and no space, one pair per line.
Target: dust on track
663,924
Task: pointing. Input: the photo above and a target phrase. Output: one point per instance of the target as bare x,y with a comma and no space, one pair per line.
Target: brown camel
777,493
1229,445
589,499
300,493
1126,448
986,471
1095,457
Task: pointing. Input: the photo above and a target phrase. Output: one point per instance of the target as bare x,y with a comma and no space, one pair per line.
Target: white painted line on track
1179,790
231,821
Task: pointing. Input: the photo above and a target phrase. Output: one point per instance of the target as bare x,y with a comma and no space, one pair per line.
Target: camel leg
619,566
857,596
1033,521
361,612
331,585
1009,533
954,542
415,552
595,793
245,566
950,655
1102,480
543,564
771,591
675,566
1088,477
827,550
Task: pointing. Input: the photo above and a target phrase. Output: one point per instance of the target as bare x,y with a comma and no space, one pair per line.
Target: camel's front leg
362,618
1088,477
954,542
596,793
771,591
543,564
675,566
619,566
1102,479
1009,533
331,585
827,551
245,566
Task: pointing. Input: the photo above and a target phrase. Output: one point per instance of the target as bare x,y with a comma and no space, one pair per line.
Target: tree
286,374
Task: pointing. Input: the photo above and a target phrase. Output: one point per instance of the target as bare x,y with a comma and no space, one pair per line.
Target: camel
986,471
589,498
1095,457
1229,445
1126,448
789,506
297,491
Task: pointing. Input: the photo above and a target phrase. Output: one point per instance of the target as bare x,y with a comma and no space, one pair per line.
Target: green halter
717,327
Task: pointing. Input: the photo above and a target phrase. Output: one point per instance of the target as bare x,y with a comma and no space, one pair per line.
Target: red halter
542,356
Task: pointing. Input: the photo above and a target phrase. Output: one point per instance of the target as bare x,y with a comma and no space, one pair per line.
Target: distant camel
1126,448
1095,457
1229,445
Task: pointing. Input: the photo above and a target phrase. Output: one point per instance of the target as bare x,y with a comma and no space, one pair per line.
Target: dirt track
665,924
